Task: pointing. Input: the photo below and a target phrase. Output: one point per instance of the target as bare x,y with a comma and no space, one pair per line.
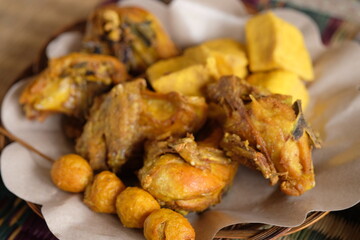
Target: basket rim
245,233
230,232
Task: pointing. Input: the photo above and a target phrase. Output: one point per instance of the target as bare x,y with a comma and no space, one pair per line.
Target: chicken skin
186,175
69,84
123,119
265,132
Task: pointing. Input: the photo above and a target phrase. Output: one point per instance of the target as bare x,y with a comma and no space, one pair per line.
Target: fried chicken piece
129,114
112,130
171,114
263,131
131,34
69,84
185,175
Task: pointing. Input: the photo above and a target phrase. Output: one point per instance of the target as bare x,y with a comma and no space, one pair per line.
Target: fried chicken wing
265,132
69,84
120,122
185,175
131,34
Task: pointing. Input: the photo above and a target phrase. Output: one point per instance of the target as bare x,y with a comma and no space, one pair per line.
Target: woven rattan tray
254,231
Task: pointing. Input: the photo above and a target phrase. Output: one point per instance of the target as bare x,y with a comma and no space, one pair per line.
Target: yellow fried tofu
276,44
281,82
222,57
199,65
180,74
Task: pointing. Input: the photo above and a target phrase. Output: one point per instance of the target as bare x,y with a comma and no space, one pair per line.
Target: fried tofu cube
199,65
276,44
221,56
282,82
180,74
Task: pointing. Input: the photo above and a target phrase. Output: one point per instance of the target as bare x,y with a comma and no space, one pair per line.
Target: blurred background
25,26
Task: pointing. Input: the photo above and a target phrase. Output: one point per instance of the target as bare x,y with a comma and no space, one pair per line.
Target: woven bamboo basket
251,231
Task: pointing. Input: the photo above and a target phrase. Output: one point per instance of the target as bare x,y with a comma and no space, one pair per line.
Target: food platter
246,231
243,231
252,231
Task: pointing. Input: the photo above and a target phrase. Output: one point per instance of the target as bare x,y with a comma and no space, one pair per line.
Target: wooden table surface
25,25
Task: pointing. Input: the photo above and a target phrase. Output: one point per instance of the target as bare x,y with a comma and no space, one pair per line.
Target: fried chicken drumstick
185,175
265,132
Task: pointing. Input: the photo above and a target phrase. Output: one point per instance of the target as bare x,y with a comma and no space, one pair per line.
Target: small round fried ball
167,224
100,195
71,173
133,205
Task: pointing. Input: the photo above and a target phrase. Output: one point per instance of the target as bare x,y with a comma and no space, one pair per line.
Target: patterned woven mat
334,29
18,221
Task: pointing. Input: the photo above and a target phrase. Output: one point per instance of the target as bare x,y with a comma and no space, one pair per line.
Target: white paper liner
334,110
64,44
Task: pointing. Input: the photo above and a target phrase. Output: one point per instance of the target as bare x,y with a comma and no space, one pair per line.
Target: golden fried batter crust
126,116
185,175
167,224
265,132
133,205
100,195
131,34
69,84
